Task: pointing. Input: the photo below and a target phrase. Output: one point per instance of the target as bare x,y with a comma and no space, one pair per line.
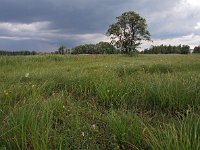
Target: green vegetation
168,49
128,32
99,48
196,49
100,102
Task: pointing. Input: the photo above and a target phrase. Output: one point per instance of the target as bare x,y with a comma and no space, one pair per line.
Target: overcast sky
46,24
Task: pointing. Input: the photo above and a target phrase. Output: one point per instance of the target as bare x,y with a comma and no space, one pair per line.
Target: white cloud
90,38
14,38
21,27
192,40
40,32
197,26
23,31
194,3
19,38
175,22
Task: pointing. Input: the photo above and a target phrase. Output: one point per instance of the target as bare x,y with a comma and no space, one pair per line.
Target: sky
44,25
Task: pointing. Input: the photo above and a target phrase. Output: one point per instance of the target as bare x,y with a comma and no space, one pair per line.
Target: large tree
128,32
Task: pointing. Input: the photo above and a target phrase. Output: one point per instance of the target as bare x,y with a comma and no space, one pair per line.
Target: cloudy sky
46,24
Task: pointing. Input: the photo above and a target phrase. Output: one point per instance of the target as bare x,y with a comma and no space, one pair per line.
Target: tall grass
181,134
99,102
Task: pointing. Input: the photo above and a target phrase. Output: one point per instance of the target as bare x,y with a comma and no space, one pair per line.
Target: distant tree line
107,48
62,50
196,49
14,53
167,49
99,48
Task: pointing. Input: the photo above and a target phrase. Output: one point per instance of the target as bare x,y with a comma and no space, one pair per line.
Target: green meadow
100,102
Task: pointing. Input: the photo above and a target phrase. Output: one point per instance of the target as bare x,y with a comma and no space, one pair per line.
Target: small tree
67,50
128,32
61,50
196,49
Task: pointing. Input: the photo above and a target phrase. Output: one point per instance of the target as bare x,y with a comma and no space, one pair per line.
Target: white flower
27,75
5,92
83,134
94,126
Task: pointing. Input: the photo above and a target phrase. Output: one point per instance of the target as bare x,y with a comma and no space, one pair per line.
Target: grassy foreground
100,102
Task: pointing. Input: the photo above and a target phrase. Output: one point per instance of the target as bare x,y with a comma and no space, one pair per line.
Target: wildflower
83,134
5,92
27,75
33,86
94,126
63,106
108,91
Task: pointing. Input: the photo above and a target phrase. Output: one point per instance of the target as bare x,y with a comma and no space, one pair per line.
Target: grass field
100,102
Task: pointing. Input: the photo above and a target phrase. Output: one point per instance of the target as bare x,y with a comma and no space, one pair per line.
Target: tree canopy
99,48
196,49
168,49
128,32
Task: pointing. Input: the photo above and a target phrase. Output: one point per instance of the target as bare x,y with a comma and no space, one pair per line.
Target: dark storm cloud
67,17
45,24
73,16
